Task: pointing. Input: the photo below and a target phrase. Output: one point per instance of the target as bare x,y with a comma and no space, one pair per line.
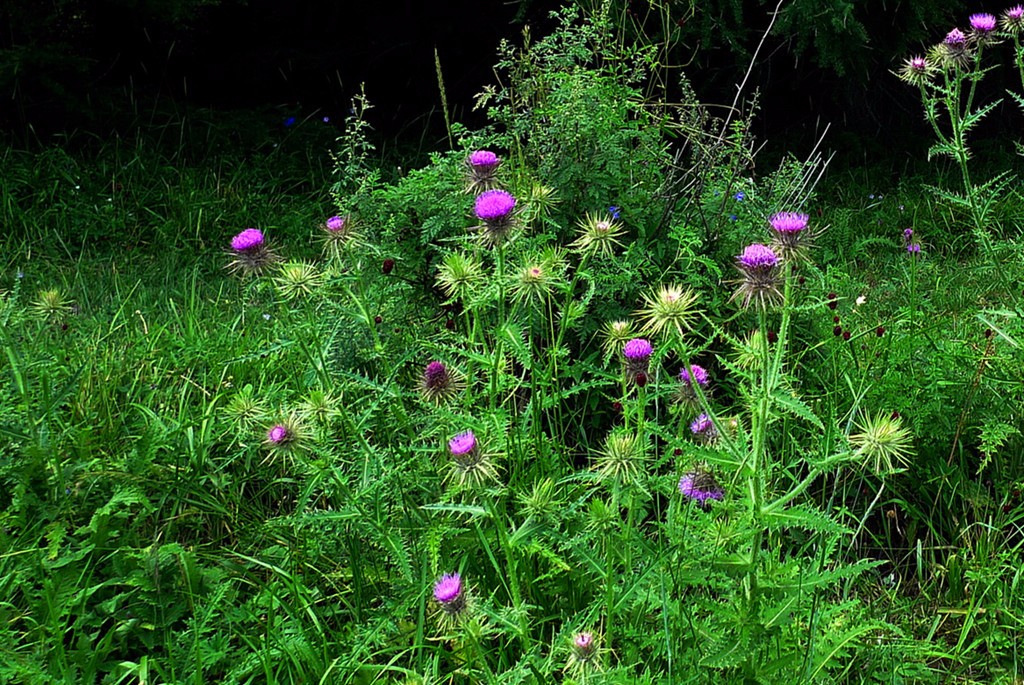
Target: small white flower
861,300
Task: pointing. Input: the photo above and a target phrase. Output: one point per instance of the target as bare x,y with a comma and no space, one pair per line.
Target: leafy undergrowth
417,437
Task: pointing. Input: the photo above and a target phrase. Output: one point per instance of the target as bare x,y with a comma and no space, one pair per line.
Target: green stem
499,257
515,590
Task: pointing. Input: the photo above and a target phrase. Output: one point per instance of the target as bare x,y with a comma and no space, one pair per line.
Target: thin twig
746,77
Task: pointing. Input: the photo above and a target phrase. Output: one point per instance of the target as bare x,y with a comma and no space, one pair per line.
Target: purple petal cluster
758,256
494,204
435,374
788,222
277,434
699,374
335,223
448,589
637,348
246,240
700,487
462,444
702,425
483,158
983,22
955,39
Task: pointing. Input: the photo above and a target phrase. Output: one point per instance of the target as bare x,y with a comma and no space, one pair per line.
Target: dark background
101,65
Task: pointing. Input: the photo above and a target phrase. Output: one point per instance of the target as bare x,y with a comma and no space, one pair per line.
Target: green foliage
155,529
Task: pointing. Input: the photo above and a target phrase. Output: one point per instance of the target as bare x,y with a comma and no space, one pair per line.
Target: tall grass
256,479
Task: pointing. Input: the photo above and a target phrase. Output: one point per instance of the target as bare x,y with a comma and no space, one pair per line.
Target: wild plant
948,78
546,495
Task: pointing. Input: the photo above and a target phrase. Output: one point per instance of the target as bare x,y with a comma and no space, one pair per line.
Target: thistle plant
297,280
495,208
482,167
338,234
250,253
51,305
947,79
671,309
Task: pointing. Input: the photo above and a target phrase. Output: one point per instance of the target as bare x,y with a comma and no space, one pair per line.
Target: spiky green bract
51,305
246,409
458,275
669,309
883,444
616,334
598,233
622,459
537,278
540,204
295,280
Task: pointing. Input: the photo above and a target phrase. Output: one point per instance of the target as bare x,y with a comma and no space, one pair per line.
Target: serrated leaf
728,652
941,149
977,115
469,509
813,579
806,517
796,406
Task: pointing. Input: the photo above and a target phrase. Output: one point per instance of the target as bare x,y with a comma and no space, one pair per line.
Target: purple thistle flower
448,589
638,356
249,252
494,208
955,49
483,166
462,444
335,223
699,374
438,383
637,348
435,374
277,435
248,239
1013,19
470,465
584,647
983,22
758,256
451,596
788,222
955,38
702,425
483,158
494,204
701,486
284,436
759,284
703,429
